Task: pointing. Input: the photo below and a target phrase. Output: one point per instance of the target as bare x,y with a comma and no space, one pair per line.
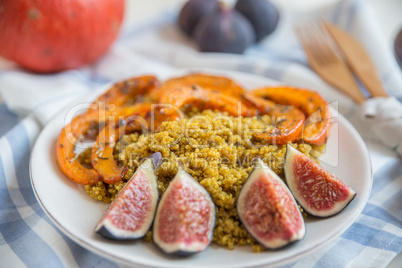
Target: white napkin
44,95
385,117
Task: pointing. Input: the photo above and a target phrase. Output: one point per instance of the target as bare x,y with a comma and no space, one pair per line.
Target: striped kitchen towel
29,238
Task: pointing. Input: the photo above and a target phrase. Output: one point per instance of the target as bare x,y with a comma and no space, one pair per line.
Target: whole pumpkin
51,36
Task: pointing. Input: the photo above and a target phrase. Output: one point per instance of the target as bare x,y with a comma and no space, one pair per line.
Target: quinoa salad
224,139
217,150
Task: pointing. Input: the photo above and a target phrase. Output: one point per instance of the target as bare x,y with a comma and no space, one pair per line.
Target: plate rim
122,260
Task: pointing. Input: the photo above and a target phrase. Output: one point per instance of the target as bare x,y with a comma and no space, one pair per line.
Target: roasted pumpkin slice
203,98
138,117
66,157
102,154
100,113
218,83
287,120
129,119
317,111
125,92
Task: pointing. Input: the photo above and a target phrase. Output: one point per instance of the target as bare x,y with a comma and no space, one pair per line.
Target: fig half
318,191
268,210
185,217
131,213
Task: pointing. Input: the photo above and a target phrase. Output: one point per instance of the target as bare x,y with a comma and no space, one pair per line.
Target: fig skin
106,226
179,247
290,177
192,12
262,14
225,30
287,216
398,46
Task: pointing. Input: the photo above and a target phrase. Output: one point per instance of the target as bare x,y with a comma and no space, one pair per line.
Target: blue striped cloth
29,238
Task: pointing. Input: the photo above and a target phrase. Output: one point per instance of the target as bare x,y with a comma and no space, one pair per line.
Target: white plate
76,214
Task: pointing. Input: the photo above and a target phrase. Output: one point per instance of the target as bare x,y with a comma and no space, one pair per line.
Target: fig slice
185,217
316,190
131,213
267,209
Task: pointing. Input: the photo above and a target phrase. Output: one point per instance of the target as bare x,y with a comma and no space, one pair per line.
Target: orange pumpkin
51,36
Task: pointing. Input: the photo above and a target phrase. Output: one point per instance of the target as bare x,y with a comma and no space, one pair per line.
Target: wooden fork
326,60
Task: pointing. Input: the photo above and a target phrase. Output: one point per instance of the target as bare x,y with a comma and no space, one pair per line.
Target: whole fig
225,30
262,14
398,46
193,11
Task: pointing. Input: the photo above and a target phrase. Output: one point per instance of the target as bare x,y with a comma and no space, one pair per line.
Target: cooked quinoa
217,150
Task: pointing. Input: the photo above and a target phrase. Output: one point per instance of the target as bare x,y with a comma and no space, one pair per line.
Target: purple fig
316,190
192,12
262,14
398,46
132,211
185,217
268,210
224,31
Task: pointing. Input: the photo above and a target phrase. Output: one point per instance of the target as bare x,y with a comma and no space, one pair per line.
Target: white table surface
388,12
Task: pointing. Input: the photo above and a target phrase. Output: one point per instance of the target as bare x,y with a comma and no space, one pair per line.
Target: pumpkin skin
52,36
